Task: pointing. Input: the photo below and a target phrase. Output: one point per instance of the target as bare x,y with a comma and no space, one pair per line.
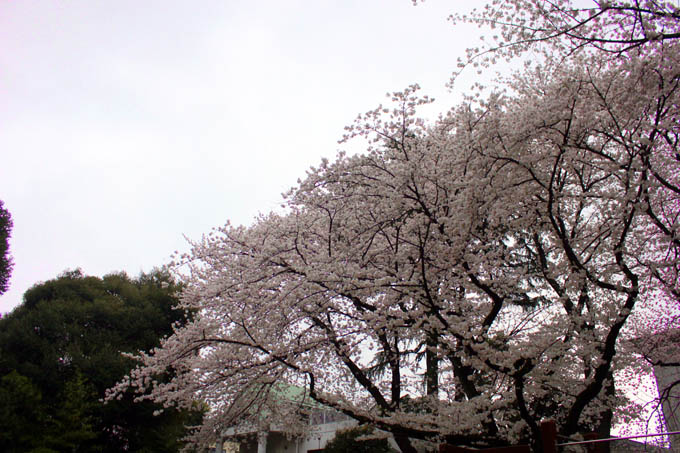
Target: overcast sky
126,125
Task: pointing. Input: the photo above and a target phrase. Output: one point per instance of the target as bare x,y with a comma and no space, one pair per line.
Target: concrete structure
275,440
666,377
323,424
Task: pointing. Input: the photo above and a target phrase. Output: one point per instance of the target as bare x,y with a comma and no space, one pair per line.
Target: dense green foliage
61,349
6,263
346,440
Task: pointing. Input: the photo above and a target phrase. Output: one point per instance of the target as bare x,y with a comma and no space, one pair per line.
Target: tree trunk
605,425
432,365
404,444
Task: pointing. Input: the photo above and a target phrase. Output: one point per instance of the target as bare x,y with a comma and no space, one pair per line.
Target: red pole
597,447
549,436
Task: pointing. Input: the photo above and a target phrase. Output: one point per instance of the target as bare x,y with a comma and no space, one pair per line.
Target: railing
548,438
614,444
550,445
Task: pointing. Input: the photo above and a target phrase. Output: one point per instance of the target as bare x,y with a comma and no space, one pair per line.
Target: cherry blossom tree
635,32
460,280
607,27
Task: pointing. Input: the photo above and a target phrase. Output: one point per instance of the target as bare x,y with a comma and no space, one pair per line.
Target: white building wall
319,435
276,442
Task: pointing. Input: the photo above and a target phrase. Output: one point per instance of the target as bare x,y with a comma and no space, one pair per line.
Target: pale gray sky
127,124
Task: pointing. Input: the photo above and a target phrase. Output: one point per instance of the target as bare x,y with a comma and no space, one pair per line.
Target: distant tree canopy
350,440
6,263
62,348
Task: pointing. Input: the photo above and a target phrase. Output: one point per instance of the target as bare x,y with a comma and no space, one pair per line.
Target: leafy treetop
62,348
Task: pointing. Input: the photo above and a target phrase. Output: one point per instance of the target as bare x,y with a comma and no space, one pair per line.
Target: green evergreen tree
348,440
66,341
72,426
21,411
